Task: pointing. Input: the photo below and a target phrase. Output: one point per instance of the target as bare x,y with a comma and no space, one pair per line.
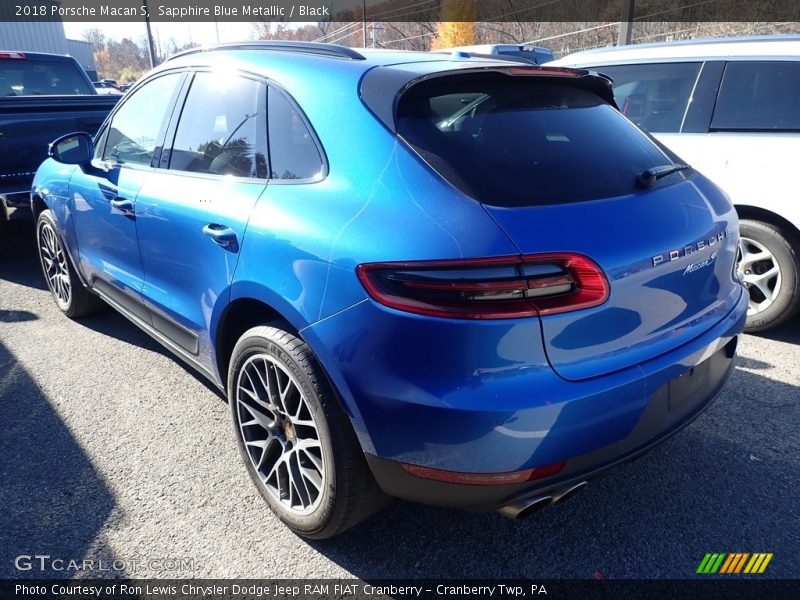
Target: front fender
51,185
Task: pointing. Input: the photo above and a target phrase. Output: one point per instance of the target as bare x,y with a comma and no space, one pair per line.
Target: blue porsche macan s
462,281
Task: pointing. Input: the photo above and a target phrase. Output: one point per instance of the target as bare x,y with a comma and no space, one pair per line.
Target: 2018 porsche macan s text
457,280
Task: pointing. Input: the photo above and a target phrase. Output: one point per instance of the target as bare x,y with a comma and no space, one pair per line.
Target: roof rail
332,50
732,39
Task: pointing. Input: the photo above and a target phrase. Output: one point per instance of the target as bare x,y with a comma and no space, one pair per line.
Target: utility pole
375,31
364,22
150,46
626,24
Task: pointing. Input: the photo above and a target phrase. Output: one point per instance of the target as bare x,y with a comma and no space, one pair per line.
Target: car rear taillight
12,55
483,478
488,288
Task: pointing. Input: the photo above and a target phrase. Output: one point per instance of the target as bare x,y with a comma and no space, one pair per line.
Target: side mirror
72,149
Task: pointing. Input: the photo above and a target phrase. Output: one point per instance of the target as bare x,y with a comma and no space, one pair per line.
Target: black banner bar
164,11
716,587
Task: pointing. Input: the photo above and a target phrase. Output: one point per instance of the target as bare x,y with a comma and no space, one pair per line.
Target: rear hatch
561,171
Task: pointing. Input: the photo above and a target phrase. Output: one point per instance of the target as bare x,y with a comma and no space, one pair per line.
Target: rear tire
68,291
298,445
770,268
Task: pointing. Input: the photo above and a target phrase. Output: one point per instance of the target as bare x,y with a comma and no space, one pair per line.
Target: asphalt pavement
112,451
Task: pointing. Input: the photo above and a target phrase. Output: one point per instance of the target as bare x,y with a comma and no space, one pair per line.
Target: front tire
770,267
298,445
70,295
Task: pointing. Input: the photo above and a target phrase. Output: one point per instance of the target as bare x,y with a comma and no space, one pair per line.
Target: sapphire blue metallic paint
470,396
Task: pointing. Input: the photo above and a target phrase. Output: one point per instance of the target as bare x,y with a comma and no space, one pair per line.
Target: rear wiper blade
649,176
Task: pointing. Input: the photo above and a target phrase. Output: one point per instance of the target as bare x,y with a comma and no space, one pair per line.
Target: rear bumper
481,398
672,407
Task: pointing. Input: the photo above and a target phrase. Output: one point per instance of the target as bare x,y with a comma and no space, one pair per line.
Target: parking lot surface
111,450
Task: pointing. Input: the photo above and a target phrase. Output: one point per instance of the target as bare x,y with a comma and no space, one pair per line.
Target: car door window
759,96
293,148
222,129
136,127
654,96
100,143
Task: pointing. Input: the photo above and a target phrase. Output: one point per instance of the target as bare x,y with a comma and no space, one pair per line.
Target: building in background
47,37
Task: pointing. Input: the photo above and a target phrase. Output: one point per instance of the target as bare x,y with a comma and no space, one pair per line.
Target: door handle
123,205
220,234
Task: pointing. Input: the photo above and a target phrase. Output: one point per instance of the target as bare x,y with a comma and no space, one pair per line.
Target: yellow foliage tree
129,75
457,26
102,61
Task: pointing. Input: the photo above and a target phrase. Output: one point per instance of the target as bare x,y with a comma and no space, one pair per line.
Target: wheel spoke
250,393
260,383
315,460
261,399
265,446
59,286
753,278
261,418
64,279
298,481
312,472
764,289
308,443
313,477
290,394
761,274
749,258
274,470
274,376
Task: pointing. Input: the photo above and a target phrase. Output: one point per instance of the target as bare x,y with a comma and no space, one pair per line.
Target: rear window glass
28,77
520,142
759,96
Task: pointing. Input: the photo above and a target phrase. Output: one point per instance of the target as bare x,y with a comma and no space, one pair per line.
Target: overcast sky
203,33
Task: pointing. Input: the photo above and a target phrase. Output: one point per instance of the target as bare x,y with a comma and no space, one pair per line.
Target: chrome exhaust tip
562,497
522,509
525,508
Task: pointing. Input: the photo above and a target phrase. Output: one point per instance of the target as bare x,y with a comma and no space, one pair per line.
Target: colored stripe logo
734,563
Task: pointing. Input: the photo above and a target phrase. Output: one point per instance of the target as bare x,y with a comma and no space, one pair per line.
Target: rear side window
517,141
31,77
293,152
222,129
655,96
759,96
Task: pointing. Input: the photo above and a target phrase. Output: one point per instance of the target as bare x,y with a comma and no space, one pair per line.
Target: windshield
28,77
522,141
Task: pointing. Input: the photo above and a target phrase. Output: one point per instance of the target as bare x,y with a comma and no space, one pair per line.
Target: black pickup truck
42,96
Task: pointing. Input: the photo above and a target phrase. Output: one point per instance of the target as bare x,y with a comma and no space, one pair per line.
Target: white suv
731,108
